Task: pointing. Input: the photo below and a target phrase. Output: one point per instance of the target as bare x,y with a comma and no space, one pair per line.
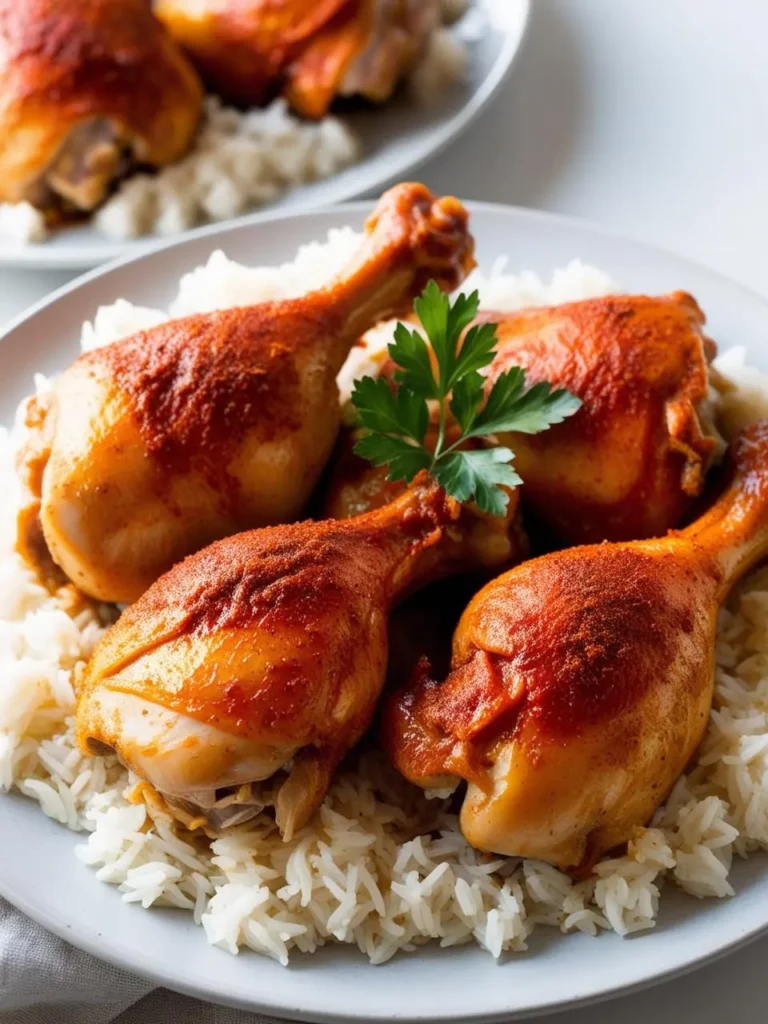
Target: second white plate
395,139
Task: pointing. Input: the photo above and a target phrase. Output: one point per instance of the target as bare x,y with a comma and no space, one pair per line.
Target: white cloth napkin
43,980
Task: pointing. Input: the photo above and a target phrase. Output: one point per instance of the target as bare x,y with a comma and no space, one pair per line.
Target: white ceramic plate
395,138
38,870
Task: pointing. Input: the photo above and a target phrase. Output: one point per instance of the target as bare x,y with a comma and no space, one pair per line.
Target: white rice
21,224
444,61
240,160
382,866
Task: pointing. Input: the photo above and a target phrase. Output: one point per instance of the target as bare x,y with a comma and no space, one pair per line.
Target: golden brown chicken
245,674
582,681
156,445
88,87
630,462
313,50
633,459
366,52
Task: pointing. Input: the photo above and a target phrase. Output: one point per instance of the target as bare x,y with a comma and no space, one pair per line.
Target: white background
650,117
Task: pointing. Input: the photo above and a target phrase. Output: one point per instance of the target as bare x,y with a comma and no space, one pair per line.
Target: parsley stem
440,431
453,447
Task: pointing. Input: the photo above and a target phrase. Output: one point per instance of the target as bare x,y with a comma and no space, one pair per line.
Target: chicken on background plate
311,50
88,89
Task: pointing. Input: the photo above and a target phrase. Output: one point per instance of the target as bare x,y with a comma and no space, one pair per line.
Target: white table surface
651,118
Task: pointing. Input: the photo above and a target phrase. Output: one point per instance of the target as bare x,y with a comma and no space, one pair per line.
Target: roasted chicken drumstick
262,657
582,681
156,445
88,87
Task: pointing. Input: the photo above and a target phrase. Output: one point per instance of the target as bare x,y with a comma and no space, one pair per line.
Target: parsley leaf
391,412
510,408
467,394
409,351
404,460
433,309
476,352
449,371
477,475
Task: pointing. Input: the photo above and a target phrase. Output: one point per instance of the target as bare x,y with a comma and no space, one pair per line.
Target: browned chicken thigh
88,87
313,50
160,443
633,458
244,675
582,681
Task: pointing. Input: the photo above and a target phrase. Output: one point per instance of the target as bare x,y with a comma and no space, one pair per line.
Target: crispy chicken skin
88,85
313,50
265,652
582,681
629,463
160,443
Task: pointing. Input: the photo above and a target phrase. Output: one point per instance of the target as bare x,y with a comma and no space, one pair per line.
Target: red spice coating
573,641
285,617
555,647
199,385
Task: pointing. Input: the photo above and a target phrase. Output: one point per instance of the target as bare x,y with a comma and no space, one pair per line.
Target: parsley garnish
396,420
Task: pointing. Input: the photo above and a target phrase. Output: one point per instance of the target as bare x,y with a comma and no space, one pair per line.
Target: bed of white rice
382,866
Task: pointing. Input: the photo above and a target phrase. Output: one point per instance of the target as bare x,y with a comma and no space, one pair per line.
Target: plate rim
362,206
41,256
289,1013
89,942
